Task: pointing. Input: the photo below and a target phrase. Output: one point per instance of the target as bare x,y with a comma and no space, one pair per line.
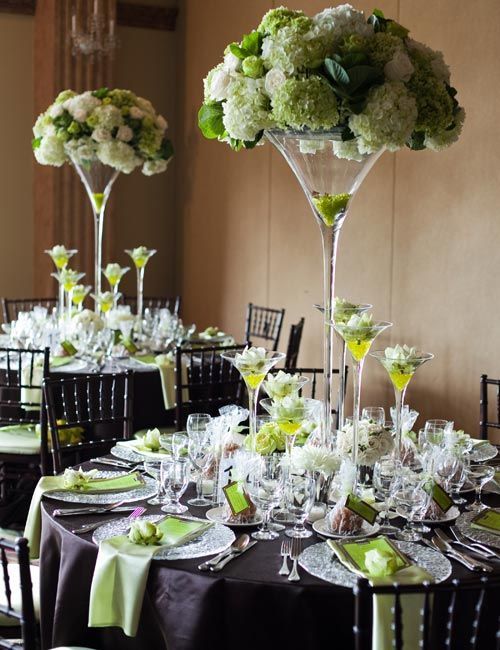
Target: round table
245,606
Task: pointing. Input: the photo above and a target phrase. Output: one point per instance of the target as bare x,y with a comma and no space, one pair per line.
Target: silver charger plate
138,494
317,560
483,452
125,453
321,527
217,515
214,540
481,536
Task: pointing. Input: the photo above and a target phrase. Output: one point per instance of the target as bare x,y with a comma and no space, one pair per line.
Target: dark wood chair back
456,615
484,410
12,306
100,404
265,324
292,351
204,381
172,303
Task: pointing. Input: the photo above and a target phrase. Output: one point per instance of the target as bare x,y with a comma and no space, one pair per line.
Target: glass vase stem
399,396
98,232
140,292
357,372
252,407
60,306
69,306
342,386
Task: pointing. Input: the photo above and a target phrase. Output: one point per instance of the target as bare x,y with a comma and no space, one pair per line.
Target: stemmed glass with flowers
60,255
140,256
113,274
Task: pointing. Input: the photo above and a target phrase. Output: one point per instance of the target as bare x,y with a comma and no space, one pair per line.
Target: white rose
274,79
161,123
231,62
136,113
125,133
399,68
80,115
219,83
101,135
55,110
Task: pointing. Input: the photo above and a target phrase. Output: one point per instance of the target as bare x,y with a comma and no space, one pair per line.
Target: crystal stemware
113,274
200,455
300,495
80,292
175,443
197,423
68,279
174,476
60,255
359,332
479,475
384,472
152,467
265,486
253,364
411,500
140,256
401,363
104,302
374,413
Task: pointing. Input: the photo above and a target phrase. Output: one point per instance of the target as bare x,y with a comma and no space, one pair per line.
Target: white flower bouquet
374,442
334,71
115,127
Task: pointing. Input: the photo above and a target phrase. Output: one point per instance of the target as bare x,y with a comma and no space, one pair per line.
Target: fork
88,528
286,547
294,555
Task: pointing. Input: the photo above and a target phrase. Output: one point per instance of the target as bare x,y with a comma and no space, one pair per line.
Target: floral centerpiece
102,133
374,441
331,92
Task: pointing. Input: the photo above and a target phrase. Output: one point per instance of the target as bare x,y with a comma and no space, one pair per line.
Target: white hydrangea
231,62
161,123
373,442
290,50
399,68
145,105
246,110
347,150
101,134
80,106
273,80
119,155
444,139
216,84
108,117
56,110
330,25
124,133
81,150
152,167
311,146
51,151
388,119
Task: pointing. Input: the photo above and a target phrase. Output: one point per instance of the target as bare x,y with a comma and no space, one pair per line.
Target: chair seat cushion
19,441
142,432
15,585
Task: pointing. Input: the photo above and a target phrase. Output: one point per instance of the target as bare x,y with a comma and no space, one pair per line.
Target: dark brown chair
12,306
16,601
484,422
464,614
172,303
265,324
100,404
204,381
292,351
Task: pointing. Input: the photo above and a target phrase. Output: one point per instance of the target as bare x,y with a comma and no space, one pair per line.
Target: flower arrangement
374,442
312,459
337,70
78,479
283,384
115,127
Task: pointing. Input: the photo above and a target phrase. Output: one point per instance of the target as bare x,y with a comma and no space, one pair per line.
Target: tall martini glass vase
98,180
329,184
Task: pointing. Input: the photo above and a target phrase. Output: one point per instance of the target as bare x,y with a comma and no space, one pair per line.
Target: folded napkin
354,556
46,484
166,366
487,520
57,362
121,574
139,448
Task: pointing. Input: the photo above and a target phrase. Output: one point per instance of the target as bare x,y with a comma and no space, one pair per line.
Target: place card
236,498
439,496
361,508
487,519
69,348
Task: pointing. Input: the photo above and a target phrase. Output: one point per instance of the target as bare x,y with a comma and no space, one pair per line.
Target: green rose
253,67
264,443
144,532
381,563
152,440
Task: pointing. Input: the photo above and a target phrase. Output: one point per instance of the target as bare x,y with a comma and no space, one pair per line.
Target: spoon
237,546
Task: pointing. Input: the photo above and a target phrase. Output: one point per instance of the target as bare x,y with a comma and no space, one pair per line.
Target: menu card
487,519
361,508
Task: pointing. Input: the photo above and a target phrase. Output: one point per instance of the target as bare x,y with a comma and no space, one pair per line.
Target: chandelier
93,32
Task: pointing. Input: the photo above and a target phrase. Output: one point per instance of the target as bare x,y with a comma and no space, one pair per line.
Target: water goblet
300,495
385,472
197,423
265,486
374,413
152,467
200,455
458,479
174,476
479,475
411,500
175,443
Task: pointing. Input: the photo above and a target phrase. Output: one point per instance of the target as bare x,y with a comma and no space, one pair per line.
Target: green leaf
167,149
378,13
336,71
238,51
416,141
35,143
252,143
358,107
210,120
363,76
101,93
252,43
353,58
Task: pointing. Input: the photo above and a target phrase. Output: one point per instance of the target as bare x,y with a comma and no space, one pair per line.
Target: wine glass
374,413
175,443
385,472
265,486
152,467
174,476
479,475
200,455
300,495
197,423
458,479
410,499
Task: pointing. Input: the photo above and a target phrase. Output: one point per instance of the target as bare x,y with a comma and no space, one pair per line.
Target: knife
476,564
463,543
226,560
473,543
458,558
70,512
113,462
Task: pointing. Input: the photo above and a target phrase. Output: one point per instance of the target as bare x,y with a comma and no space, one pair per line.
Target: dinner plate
451,515
77,365
475,534
130,446
214,540
320,561
483,452
146,491
217,515
321,527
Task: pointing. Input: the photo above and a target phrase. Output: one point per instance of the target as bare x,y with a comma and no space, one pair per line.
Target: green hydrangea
381,48
276,19
435,106
445,138
293,48
307,102
388,119
246,111
253,66
64,95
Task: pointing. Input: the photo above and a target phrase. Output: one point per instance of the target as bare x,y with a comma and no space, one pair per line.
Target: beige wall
16,159
421,242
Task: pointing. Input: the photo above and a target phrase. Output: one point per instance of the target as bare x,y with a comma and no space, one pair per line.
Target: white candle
208,486
318,511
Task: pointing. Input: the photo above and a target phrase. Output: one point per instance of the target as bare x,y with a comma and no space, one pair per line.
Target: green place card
361,508
487,520
69,348
439,496
236,498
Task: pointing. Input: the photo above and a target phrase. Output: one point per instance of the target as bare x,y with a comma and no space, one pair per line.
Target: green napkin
33,527
352,555
103,485
146,359
56,362
488,520
121,574
166,366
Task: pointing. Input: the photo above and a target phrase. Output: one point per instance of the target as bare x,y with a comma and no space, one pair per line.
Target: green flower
330,206
253,66
277,19
144,532
152,440
381,563
434,103
307,102
382,47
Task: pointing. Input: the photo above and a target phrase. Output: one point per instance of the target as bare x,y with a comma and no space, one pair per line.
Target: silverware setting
461,537
84,510
116,463
286,549
294,555
89,528
232,556
238,545
468,561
